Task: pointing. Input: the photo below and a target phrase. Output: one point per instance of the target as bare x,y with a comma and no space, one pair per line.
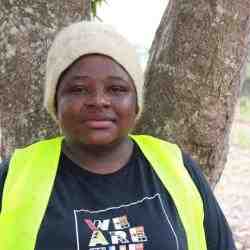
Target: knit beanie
85,38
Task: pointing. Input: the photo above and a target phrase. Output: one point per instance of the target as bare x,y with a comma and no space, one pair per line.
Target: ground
233,189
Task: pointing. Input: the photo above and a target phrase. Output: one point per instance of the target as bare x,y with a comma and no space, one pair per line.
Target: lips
98,122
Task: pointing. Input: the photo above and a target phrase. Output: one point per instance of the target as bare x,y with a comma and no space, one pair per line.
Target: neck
101,159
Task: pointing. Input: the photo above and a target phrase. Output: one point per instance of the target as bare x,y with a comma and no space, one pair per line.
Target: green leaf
93,8
96,4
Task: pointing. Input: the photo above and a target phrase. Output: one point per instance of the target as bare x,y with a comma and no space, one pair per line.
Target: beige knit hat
88,38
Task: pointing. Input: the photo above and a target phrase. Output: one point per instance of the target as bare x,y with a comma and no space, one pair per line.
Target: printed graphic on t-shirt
140,225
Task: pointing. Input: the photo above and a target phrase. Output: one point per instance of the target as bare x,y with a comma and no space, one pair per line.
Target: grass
244,139
245,109
240,135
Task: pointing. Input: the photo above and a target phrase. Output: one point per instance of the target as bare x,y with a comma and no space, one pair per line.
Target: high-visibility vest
31,176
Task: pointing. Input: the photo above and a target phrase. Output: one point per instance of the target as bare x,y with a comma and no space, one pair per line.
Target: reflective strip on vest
32,173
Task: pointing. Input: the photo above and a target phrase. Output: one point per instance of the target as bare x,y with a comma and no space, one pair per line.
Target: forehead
96,66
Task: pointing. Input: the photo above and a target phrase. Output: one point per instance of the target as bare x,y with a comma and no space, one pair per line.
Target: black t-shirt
126,210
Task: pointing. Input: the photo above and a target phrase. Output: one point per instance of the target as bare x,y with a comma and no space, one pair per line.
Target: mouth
99,124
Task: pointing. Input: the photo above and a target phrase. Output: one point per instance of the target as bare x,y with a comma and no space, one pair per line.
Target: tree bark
193,77
27,29
86,9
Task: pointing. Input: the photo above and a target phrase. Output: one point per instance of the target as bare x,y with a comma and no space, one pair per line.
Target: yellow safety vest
31,177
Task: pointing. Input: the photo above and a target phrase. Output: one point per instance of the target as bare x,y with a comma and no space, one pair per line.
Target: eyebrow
116,78
81,77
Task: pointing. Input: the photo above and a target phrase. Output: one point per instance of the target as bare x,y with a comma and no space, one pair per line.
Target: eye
118,89
79,90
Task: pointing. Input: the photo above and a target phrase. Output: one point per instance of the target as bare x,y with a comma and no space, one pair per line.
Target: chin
100,139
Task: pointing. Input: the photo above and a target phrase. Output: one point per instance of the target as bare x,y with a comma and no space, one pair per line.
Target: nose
98,99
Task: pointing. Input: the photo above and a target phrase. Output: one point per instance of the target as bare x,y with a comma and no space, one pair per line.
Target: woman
98,187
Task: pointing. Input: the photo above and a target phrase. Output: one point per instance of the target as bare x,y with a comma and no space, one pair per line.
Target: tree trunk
86,9
193,77
27,29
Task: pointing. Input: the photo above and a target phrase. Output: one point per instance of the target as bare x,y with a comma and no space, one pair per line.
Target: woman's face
96,101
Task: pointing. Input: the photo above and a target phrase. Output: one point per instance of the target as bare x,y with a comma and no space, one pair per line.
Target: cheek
66,109
133,107
129,111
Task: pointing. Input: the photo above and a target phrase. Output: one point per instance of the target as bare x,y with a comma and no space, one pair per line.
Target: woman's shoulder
195,171
4,165
218,233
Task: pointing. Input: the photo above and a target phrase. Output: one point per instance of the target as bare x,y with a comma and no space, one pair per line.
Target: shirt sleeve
3,173
217,230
